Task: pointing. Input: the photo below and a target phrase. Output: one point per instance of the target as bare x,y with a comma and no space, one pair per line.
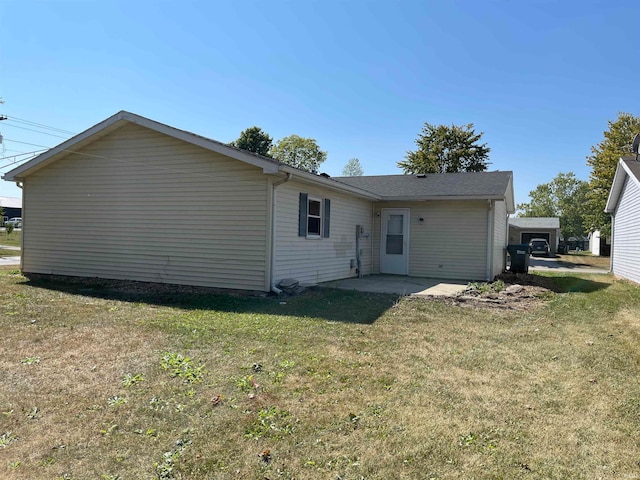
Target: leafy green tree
255,140
299,152
565,197
353,168
603,161
444,149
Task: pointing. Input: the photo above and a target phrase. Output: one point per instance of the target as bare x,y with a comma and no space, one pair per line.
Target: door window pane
394,244
394,225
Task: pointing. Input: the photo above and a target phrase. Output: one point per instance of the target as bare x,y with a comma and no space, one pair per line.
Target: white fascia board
616,186
510,197
441,197
319,180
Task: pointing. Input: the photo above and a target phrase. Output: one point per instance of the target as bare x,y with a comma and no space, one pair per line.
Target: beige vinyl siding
314,260
500,229
626,233
143,206
451,242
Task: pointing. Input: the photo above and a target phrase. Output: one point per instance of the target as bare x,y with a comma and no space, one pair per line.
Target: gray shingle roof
535,222
441,185
633,164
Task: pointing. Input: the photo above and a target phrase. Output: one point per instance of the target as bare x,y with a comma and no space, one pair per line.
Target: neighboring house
11,206
523,229
599,245
145,201
624,206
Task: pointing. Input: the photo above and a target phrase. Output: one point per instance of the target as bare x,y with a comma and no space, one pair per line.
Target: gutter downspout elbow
283,180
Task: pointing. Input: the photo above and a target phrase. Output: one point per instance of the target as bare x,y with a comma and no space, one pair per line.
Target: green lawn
13,239
113,380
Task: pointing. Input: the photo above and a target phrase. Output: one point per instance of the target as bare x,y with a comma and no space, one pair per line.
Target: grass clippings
120,380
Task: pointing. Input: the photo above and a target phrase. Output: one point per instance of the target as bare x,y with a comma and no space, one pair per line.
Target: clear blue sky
541,79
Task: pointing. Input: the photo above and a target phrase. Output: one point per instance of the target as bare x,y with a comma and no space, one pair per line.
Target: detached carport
523,229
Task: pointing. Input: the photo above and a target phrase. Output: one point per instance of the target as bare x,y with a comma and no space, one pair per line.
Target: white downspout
489,240
612,250
20,185
274,197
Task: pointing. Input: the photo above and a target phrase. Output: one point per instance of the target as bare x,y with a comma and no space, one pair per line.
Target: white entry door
394,241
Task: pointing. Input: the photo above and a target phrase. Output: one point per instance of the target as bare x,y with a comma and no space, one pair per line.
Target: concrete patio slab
401,285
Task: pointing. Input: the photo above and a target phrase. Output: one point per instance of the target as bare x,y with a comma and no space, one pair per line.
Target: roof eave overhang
312,178
622,172
616,188
424,198
510,197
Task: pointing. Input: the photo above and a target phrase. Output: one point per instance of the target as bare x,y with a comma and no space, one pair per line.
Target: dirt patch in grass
507,292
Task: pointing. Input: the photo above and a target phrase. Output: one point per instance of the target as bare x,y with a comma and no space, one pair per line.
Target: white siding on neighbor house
315,260
145,206
450,243
500,229
626,233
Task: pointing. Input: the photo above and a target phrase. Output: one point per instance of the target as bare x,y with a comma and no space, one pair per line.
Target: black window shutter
327,217
302,219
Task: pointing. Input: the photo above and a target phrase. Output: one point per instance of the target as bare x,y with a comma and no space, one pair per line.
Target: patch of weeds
30,360
483,441
6,439
246,383
150,432
129,380
286,364
33,413
158,405
108,429
15,464
272,422
116,400
165,467
107,476
47,462
487,287
182,367
375,410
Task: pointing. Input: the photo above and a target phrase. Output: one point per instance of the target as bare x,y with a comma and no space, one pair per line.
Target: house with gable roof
149,202
624,206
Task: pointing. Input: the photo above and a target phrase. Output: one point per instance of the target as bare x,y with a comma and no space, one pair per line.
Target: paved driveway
544,264
10,260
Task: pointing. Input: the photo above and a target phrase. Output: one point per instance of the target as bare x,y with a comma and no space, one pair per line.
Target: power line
33,130
41,125
27,143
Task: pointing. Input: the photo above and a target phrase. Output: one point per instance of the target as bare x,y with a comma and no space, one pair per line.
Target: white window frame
319,217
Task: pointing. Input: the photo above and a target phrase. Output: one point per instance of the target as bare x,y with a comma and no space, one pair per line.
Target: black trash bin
519,258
